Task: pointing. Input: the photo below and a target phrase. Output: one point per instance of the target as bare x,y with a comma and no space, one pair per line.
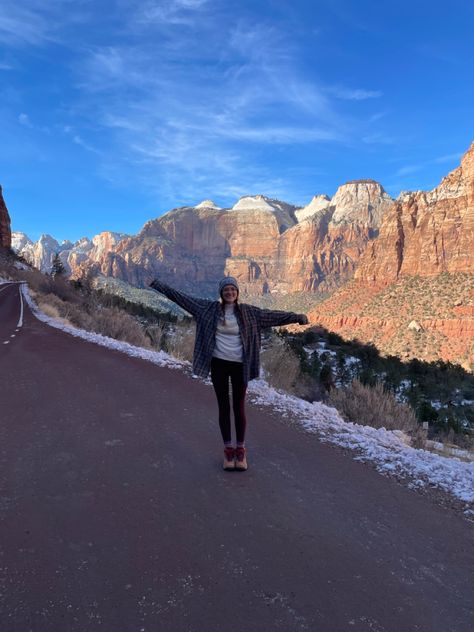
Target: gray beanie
228,281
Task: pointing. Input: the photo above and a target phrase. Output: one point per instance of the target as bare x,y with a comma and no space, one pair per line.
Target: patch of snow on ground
351,360
387,449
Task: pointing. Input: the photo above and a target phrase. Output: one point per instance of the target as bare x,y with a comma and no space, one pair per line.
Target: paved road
116,516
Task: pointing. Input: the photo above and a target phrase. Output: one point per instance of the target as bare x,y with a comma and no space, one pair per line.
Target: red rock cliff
426,233
5,231
259,241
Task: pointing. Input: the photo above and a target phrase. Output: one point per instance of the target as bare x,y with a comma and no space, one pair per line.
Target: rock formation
76,257
426,233
317,204
269,245
423,235
5,230
22,244
259,240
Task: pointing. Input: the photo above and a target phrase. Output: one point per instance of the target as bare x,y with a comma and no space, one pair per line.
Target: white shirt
228,342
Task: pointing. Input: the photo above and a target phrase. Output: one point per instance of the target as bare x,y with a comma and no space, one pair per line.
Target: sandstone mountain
73,255
5,231
419,269
269,245
426,233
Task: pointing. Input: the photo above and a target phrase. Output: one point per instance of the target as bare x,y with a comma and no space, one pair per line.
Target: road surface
115,513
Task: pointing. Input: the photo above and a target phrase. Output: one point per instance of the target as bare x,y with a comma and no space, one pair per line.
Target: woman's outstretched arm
273,318
195,306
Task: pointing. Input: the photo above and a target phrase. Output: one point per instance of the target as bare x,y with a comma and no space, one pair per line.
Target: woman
228,345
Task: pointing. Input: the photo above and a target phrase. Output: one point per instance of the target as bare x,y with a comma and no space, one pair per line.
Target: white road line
20,322
7,342
12,336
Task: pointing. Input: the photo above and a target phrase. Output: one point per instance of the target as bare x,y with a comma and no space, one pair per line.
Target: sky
113,112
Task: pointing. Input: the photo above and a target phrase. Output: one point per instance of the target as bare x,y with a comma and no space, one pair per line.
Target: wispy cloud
184,93
35,22
204,119
379,138
22,25
354,94
178,12
408,169
426,166
79,141
24,120
448,158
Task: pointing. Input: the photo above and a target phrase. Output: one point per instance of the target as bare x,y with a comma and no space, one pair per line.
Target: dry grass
181,343
108,321
48,308
281,365
282,370
156,334
116,324
376,407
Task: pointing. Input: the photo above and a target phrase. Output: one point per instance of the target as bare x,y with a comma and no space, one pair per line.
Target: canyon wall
5,230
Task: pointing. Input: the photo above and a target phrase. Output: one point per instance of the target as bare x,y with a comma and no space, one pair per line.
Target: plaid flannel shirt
251,320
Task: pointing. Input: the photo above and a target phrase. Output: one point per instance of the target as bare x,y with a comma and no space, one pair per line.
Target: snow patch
387,449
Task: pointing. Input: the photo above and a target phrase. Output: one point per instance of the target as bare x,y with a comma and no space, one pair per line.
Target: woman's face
229,294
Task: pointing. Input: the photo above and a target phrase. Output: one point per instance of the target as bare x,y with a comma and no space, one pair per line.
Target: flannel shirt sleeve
195,306
273,318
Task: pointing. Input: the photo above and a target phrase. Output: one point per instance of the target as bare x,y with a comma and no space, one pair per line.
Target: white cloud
36,22
20,25
252,94
448,158
168,12
354,94
24,120
408,169
79,141
379,138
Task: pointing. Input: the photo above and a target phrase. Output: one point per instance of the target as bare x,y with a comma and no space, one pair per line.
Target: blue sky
115,111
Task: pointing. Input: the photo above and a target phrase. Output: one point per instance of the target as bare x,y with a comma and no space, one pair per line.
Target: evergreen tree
326,376
57,267
342,372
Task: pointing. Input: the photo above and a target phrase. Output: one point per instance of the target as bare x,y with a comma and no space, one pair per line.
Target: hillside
429,318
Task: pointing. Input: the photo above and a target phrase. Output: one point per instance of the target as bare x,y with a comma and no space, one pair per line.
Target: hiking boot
240,460
229,458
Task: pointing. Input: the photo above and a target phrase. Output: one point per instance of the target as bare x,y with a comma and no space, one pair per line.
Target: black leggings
221,371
